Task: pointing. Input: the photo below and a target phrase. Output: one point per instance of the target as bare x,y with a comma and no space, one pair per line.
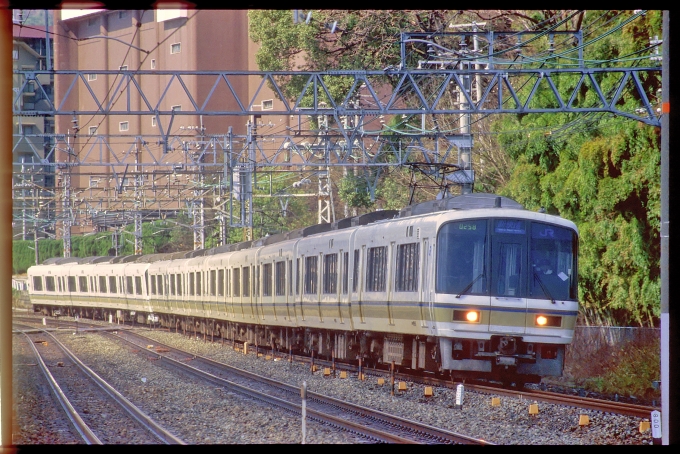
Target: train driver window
461,258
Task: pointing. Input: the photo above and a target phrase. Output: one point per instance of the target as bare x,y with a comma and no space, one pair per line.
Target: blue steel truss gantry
412,92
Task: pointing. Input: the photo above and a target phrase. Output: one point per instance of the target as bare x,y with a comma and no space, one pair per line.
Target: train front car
505,302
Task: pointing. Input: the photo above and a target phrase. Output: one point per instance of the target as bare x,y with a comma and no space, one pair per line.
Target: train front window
461,252
553,252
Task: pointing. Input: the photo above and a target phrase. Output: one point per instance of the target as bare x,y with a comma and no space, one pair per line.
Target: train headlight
548,320
466,316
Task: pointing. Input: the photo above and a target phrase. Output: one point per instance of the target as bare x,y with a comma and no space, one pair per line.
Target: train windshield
461,258
507,257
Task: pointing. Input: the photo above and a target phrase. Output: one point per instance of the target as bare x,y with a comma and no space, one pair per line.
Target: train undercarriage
506,359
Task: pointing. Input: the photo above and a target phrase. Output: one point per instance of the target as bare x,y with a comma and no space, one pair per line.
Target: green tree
604,174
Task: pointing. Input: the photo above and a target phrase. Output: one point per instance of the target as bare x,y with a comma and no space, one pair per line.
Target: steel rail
80,426
152,426
422,430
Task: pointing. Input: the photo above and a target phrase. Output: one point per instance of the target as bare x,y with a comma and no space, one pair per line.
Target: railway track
608,406
98,413
371,424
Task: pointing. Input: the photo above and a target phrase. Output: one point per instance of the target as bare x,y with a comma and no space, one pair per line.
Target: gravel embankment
204,414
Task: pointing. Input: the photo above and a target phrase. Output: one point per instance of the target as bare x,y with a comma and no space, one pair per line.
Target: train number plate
506,361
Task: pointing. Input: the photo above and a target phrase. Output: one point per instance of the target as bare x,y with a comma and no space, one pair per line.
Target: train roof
461,202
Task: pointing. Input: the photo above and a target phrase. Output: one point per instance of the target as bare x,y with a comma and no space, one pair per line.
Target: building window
122,14
124,68
153,63
176,108
28,129
92,130
268,104
94,182
175,48
15,54
91,77
153,122
123,126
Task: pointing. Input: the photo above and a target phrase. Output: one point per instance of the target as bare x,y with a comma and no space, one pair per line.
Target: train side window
49,283
191,284
211,282
330,273
236,275
298,277
179,284
82,283
246,281
102,284
153,285
72,284
408,258
220,282
199,283
172,284
311,276
138,285
290,277
128,285
160,283
112,284
37,283
267,279
355,272
280,278
376,269
345,273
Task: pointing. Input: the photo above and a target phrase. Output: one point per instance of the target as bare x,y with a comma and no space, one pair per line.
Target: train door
425,288
359,257
508,276
390,282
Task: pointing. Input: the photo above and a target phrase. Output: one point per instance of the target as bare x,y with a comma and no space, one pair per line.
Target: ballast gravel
204,414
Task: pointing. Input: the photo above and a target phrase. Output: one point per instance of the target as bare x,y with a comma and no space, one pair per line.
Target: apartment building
32,182
153,40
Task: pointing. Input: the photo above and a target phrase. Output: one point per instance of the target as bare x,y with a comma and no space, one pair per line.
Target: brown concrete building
186,40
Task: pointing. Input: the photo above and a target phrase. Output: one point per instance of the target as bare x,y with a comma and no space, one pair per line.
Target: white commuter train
473,285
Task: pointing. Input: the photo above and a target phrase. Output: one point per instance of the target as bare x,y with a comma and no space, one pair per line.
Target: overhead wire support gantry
506,90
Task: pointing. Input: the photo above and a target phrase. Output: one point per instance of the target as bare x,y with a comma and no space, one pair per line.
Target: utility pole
465,152
138,182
